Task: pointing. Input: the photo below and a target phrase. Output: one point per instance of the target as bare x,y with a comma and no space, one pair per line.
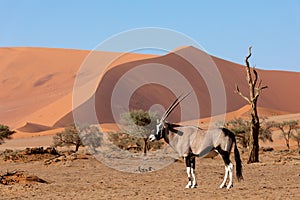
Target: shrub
89,136
5,133
241,129
137,125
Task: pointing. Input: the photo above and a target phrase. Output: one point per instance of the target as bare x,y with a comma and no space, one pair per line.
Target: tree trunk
145,146
254,133
77,147
287,141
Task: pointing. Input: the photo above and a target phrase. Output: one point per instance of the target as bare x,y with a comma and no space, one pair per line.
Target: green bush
5,133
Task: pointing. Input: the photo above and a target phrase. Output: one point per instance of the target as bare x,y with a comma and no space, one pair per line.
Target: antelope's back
203,142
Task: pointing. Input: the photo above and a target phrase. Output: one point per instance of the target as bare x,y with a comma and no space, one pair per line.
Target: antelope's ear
157,120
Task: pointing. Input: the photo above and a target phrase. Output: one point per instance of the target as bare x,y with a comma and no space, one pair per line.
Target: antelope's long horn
166,114
173,106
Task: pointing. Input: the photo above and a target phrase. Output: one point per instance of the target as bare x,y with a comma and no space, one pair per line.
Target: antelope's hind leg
228,169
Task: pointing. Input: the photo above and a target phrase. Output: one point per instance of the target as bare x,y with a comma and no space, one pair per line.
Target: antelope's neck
169,136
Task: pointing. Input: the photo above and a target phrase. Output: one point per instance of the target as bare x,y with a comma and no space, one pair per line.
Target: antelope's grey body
191,142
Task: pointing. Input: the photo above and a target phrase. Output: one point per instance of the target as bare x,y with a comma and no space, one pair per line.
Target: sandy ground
22,143
277,176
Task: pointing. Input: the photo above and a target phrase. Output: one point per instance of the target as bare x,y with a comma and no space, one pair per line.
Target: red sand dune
33,128
36,83
276,98
36,86
245,112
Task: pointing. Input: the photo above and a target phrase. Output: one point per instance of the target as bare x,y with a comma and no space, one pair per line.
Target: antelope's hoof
222,186
229,186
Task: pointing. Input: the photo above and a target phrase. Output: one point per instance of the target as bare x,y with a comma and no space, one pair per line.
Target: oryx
191,141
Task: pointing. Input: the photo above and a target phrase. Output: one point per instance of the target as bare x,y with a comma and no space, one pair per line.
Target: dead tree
287,128
255,89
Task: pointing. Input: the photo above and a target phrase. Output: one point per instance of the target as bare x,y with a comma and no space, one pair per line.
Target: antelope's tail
238,162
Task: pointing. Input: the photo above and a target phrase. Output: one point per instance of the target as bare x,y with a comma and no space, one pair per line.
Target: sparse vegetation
5,133
128,142
266,130
68,137
296,137
287,129
28,154
137,126
241,128
89,136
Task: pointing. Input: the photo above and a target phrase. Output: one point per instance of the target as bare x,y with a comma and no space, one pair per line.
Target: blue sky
224,28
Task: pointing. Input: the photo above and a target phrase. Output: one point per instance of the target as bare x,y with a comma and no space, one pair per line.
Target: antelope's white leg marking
230,168
188,171
194,184
225,177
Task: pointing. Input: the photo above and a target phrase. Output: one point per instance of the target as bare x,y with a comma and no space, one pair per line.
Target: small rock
265,149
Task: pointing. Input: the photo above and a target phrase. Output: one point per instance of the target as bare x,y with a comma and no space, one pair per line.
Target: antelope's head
159,129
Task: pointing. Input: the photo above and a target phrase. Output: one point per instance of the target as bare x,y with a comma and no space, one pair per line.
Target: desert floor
277,176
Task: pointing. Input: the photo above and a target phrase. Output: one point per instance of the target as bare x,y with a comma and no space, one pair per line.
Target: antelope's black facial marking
158,132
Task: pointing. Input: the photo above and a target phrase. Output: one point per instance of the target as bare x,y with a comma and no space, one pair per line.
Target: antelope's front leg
190,170
193,166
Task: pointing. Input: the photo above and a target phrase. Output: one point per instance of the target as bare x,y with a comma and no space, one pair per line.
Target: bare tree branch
237,90
248,70
249,55
255,76
259,90
259,84
264,87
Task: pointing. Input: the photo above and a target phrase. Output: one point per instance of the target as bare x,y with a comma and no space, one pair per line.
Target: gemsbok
191,142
